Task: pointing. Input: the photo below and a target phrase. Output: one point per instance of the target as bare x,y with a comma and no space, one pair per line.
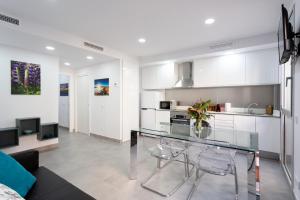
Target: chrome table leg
253,176
133,155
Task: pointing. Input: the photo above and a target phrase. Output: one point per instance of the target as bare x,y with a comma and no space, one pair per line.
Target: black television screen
285,37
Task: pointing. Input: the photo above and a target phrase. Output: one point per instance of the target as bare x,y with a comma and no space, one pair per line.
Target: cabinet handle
287,79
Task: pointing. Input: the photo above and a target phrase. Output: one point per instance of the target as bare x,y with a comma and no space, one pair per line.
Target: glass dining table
245,142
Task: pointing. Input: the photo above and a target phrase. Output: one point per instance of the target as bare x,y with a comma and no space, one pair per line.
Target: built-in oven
180,121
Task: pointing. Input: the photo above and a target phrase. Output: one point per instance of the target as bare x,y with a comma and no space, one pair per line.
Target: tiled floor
100,168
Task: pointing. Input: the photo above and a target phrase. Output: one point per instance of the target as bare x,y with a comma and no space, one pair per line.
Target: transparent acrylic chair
213,160
169,150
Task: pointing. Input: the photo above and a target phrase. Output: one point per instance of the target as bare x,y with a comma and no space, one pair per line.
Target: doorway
83,121
64,101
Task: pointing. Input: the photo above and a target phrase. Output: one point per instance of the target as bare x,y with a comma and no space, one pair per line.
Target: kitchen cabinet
162,116
251,68
262,67
151,99
228,70
244,123
158,76
223,121
268,129
149,77
148,118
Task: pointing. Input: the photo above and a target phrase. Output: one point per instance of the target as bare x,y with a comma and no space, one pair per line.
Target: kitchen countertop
236,111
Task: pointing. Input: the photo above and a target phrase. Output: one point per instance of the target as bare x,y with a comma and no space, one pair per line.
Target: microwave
167,105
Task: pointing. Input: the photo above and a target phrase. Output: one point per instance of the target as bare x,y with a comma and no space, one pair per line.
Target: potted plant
198,111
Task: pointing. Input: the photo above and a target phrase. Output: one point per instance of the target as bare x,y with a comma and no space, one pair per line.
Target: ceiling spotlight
142,40
50,48
209,21
90,57
67,63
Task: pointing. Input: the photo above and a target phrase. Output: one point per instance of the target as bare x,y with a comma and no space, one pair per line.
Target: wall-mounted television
286,35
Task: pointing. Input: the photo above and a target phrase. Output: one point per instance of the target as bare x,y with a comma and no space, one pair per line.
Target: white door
83,104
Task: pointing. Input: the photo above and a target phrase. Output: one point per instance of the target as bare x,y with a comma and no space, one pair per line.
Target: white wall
45,105
105,111
64,104
297,113
130,93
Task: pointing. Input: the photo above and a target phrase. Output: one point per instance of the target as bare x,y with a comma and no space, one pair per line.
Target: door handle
287,79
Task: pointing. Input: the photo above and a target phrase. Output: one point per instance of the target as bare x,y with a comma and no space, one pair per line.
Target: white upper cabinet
149,77
158,76
262,67
251,68
204,74
226,70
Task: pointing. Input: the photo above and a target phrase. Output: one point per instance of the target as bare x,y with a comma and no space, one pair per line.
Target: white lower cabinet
162,116
244,123
268,129
224,121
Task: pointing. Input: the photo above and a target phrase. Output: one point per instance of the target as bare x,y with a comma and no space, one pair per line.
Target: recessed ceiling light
209,21
67,63
89,57
50,48
142,40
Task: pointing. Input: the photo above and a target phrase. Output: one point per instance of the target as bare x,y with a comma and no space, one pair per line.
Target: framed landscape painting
64,89
25,78
101,87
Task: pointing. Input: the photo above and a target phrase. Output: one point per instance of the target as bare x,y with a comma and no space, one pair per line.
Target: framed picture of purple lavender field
25,78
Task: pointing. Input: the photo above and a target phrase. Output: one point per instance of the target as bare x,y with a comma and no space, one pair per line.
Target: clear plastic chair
169,150
213,160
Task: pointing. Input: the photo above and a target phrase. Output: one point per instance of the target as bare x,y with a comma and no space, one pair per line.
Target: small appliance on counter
227,107
168,105
269,110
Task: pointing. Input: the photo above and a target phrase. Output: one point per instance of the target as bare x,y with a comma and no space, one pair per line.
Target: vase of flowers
198,111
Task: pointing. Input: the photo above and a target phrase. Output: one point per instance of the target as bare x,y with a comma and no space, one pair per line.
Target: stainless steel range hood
185,75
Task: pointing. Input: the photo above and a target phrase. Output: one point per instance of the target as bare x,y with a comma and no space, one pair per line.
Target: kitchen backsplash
237,96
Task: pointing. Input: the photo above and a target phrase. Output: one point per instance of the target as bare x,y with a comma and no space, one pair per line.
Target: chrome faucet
250,106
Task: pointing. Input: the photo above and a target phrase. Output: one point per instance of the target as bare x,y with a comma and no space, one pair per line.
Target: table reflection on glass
244,141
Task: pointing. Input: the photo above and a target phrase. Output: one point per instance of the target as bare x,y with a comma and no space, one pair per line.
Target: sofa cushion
50,186
8,193
14,175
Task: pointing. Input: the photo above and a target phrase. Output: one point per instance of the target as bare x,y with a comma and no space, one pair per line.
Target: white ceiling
75,56
168,25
